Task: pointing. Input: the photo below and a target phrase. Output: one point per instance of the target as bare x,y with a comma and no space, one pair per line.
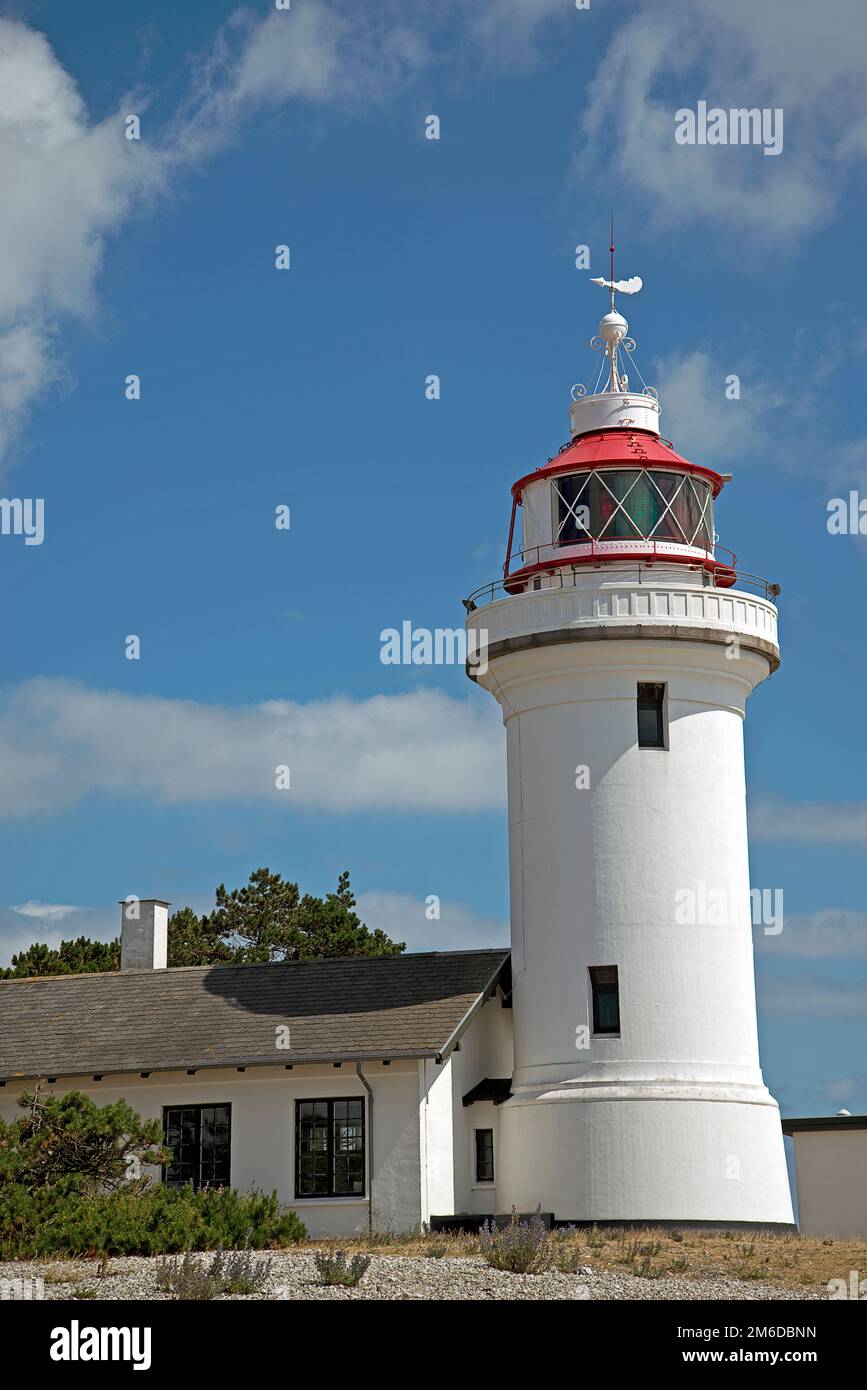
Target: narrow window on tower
651,715
606,998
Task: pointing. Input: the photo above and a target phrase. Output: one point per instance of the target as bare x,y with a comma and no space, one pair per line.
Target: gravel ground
293,1276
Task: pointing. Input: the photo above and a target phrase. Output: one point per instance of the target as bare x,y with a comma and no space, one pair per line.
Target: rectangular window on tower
606,998
651,715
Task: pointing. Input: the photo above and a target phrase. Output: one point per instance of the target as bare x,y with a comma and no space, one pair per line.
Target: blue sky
307,388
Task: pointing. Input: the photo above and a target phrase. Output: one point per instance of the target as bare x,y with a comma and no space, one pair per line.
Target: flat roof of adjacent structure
827,1122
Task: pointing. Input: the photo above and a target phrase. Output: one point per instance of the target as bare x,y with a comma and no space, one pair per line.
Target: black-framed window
199,1137
484,1155
651,715
329,1147
606,998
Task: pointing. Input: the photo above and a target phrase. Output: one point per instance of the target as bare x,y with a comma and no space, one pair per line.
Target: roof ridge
164,971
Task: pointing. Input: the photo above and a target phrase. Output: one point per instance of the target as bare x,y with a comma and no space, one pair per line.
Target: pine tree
266,920
78,957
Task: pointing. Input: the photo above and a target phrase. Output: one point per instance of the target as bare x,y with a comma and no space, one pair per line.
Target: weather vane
610,341
613,327
631,286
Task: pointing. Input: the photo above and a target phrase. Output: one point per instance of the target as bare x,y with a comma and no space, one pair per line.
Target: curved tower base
645,1161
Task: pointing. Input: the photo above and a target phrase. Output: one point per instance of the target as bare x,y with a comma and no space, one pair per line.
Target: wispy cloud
810,822
46,912
698,414
70,183
405,918
51,923
832,932
846,1090
812,997
733,53
67,183
60,741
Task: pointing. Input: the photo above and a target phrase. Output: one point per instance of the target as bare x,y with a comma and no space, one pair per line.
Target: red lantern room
616,491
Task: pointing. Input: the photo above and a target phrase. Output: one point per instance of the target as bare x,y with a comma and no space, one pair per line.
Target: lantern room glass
633,504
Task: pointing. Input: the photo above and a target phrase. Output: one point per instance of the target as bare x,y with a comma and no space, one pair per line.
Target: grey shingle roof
203,1016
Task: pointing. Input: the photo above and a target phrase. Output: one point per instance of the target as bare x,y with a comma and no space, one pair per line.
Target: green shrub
70,1139
59,1220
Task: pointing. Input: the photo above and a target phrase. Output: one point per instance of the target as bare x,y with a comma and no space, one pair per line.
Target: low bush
339,1269
191,1278
520,1247
151,1220
196,1279
244,1274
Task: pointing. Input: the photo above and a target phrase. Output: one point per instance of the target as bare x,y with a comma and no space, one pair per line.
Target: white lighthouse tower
622,649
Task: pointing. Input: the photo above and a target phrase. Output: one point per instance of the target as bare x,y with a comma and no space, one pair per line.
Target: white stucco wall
831,1177
448,1177
263,1130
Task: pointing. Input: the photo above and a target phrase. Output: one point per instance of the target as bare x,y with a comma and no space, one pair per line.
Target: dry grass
64,1273
789,1261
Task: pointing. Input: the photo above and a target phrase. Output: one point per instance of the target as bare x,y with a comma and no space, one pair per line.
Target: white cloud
810,823
51,912
60,741
832,932
69,183
733,53
505,30
843,1090
50,923
697,414
403,917
66,184
810,997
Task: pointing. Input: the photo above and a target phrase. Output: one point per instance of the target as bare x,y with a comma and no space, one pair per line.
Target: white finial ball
613,327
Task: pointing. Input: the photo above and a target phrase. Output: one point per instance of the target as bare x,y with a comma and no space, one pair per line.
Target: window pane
606,998
329,1148
198,1136
651,724
614,520
643,506
571,497
484,1155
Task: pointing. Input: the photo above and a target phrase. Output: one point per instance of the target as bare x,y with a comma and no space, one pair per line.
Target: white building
831,1174
608,1071
343,1085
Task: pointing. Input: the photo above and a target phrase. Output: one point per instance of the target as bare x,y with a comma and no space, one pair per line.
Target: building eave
815,1124
487,993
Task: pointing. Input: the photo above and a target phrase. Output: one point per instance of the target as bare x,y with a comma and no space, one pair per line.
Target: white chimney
144,934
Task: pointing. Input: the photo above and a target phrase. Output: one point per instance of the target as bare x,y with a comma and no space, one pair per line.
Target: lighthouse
622,644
